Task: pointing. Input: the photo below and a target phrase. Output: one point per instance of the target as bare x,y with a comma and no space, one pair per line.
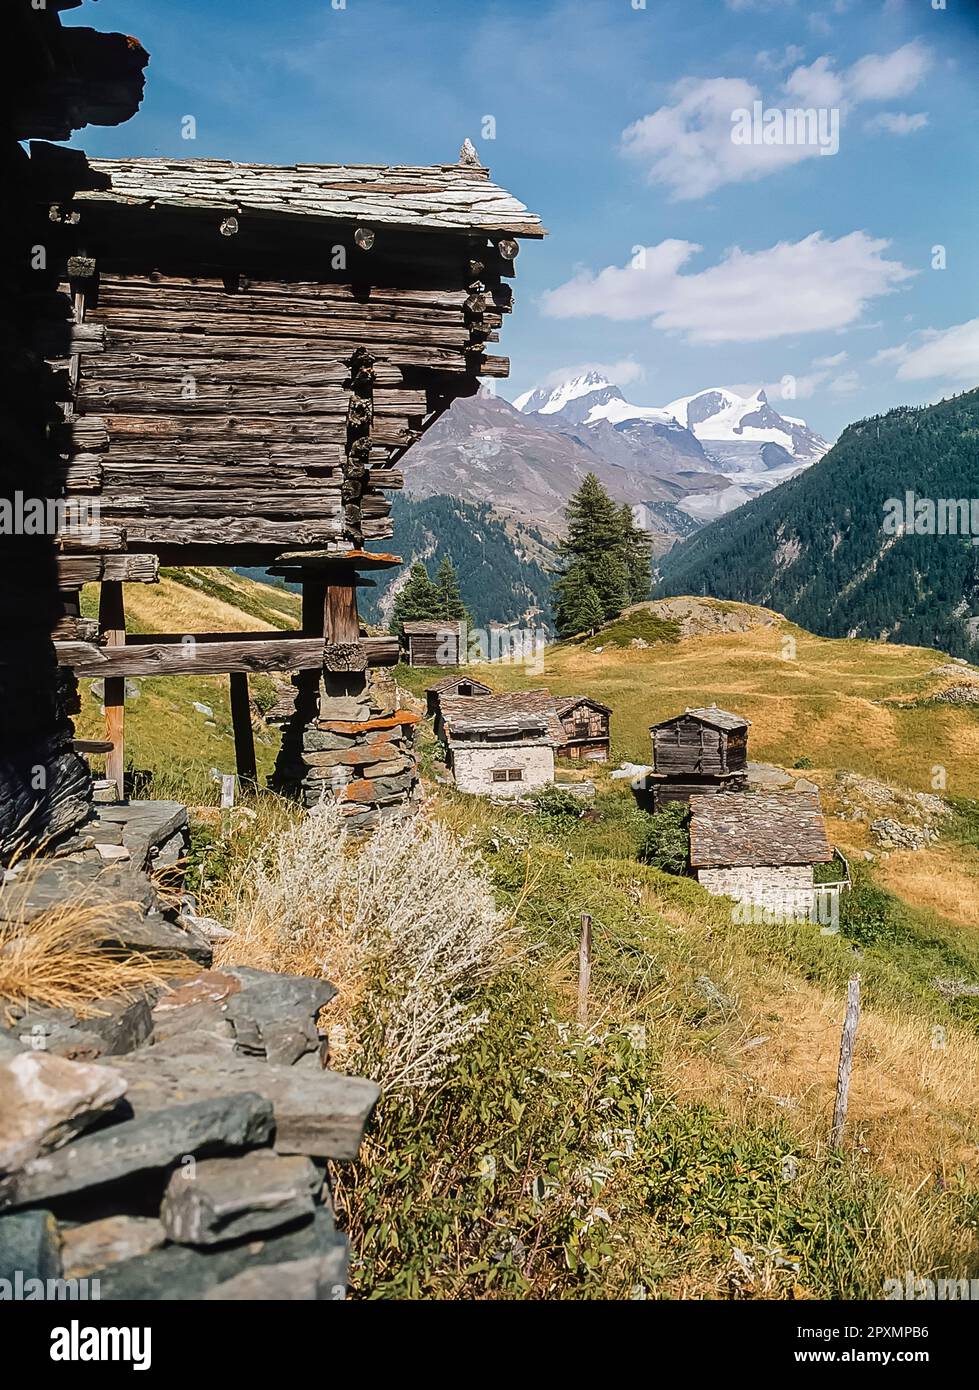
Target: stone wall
473,766
349,737
176,1143
788,888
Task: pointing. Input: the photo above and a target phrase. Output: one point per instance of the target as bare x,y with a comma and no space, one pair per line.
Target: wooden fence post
584,969
847,1044
241,723
112,622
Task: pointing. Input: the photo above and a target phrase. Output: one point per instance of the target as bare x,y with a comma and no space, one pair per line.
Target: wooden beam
241,722
156,658
112,622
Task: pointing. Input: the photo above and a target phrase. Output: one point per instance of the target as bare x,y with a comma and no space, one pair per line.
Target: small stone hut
500,745
759,847
465,686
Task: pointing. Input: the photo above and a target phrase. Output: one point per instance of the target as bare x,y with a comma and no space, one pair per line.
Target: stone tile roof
716,718
741,829
447,197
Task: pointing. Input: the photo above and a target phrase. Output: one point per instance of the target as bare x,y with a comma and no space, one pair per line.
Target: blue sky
676,259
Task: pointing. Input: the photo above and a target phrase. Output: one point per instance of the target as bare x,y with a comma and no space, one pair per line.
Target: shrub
665,842
559,802
803,762
405,925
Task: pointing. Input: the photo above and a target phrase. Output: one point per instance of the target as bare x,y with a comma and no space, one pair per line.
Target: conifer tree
605,558
577,607
448,593
418,600
636,555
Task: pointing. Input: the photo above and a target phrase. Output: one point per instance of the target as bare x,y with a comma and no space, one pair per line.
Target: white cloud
833,361
898,122
884,76
771,61
816,85
951,354
809,286
845,383
687,143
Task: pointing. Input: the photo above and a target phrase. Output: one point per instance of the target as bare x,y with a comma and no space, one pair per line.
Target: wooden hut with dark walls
465,686
252,350
759,847
434,642
586,726
702,750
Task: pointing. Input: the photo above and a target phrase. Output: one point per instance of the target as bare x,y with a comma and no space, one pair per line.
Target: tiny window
500,775
515,774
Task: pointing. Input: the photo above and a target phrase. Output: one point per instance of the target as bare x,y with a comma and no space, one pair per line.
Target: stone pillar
348,736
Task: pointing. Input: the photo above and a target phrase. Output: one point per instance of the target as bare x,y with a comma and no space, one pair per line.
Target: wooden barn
585,723
499,745
699,751
246,353
434,642
465,686
759,847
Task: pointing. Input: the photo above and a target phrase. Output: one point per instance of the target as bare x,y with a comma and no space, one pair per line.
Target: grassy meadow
676,1146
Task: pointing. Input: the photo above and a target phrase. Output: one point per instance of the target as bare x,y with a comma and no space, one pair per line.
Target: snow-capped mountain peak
550,400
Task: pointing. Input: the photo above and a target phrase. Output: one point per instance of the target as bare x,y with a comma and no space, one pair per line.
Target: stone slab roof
742,829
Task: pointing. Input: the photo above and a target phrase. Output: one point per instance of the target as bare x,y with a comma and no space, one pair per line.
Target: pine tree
418,600
448,593
636,555
601,556
577,608
609,578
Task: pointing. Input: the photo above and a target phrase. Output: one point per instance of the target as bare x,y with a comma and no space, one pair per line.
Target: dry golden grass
59,959
939,877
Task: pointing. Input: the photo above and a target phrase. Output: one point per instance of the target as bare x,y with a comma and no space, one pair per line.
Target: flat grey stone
320,1113
318,1278
150,1143
222,1199
30,1244
265,1014
181,1272
94,1244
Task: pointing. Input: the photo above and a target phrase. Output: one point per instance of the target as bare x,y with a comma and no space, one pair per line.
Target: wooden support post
847,1044
341,621
241,723
112,622
584,969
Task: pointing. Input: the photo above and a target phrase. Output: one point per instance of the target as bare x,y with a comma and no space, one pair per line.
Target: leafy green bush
665,842
803,762
559,802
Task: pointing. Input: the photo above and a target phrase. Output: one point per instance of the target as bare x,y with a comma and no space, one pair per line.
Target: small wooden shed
702,750
464,686
759,847
434,642
586,728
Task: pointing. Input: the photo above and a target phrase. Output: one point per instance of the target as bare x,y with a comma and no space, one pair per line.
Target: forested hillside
816,548
501,567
